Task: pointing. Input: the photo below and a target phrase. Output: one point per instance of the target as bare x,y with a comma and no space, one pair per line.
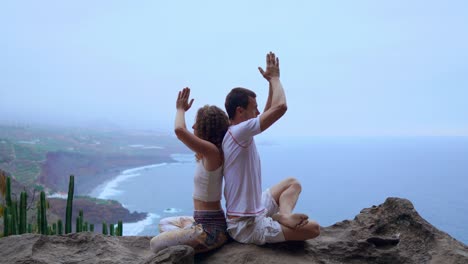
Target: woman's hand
182,99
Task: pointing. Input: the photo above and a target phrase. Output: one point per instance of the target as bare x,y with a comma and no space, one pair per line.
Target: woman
207,229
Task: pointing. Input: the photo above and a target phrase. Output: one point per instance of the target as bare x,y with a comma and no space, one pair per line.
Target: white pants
259,229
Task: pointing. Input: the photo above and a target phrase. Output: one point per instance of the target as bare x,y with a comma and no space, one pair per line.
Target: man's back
242,170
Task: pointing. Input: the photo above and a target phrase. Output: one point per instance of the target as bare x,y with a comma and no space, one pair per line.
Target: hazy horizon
360,68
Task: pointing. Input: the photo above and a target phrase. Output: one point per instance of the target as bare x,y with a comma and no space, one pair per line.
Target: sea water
339,176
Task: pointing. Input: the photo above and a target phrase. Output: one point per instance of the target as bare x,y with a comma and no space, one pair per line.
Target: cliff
392,232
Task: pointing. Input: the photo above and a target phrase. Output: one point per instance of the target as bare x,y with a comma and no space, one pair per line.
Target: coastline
110,188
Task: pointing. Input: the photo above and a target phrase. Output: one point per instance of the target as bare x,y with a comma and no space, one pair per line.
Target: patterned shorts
205,231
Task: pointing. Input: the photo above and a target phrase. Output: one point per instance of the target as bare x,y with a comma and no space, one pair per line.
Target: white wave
143,168
145,147
133,229
183,158
58,195
111,188
172,210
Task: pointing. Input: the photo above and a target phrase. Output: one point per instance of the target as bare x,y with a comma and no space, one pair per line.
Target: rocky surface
392,232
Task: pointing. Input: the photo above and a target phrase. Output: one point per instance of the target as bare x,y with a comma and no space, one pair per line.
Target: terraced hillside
45,157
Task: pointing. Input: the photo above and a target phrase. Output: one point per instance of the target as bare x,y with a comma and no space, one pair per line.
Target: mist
361,68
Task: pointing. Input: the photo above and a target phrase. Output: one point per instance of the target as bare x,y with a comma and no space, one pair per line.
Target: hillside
43,158
47,156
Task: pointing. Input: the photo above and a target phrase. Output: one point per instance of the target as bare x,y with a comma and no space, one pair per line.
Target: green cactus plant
68,218
23,213
111,230
14,217
38,217
8,192
6,227
77,225
9,223
43,215
91,227
59,227
120,228
81,220
104,228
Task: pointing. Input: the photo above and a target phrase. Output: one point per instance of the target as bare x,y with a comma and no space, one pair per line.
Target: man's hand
272,67
182,99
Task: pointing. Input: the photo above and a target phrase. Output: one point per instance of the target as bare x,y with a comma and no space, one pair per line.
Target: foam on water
172,210
133,229
58,195
110,188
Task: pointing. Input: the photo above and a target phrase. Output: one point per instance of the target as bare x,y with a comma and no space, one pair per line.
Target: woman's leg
175,222
177,236
182,230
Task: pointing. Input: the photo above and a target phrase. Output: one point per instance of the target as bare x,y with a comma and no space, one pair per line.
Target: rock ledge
392,232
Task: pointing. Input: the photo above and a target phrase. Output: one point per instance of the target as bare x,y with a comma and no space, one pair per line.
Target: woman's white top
207,184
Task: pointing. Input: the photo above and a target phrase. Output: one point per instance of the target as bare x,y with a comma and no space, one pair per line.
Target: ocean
339,176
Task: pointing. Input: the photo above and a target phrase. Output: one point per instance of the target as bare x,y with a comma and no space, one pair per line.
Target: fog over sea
339,176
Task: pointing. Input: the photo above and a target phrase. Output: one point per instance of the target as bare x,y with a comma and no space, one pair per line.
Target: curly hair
212,125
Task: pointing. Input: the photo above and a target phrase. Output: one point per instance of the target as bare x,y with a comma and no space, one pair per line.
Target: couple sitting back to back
226,146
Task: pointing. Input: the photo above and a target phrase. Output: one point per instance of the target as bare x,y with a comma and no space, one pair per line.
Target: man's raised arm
276,103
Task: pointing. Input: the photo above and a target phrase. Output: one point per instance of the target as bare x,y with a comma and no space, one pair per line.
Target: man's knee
294,183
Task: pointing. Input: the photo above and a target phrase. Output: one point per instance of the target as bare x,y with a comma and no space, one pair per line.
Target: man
253,216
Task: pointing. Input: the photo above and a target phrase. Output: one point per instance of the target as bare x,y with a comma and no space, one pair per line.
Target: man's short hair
237,97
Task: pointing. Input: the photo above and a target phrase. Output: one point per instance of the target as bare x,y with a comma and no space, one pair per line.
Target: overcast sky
348,67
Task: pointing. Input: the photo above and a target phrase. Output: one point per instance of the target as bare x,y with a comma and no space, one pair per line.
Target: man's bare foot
293,221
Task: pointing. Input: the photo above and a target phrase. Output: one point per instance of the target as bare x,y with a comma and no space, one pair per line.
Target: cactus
30,228
54,228
111,229
81,220
23,214
6,230
77,225
120,228
68,218
104,228
43,215
38,217
59,227
85,227
14,217
8,192
9,223
91,227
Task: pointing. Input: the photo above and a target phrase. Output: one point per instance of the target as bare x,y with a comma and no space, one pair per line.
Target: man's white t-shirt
242,170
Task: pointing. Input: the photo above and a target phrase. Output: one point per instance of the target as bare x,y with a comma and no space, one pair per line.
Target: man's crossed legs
277,223
295,226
